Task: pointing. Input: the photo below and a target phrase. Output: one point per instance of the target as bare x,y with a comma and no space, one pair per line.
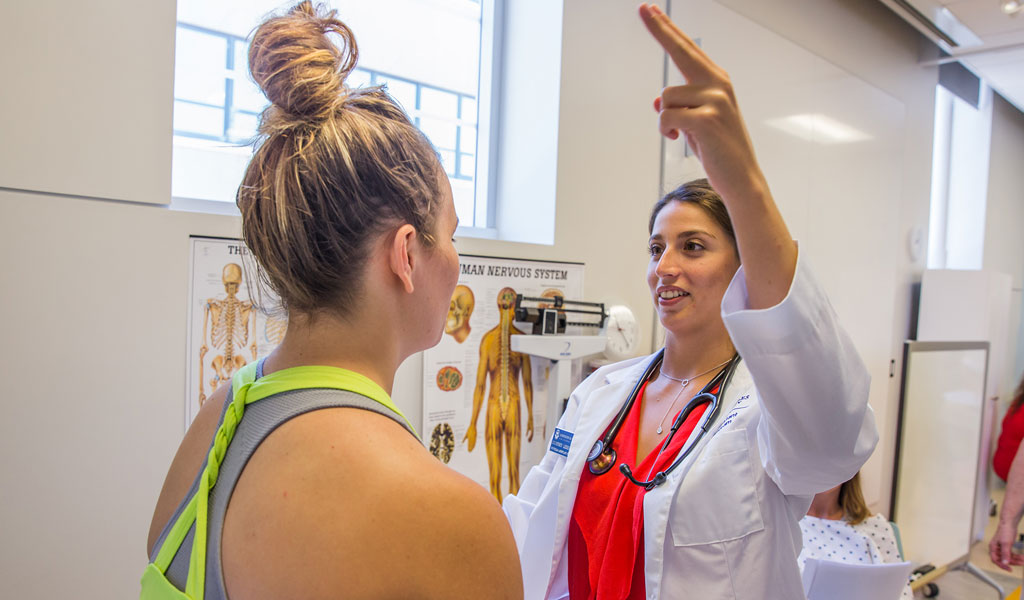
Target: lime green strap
155,586
195,586
176,536
196,509
245,390
304,378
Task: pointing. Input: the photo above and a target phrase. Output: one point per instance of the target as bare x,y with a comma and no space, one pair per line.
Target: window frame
484,211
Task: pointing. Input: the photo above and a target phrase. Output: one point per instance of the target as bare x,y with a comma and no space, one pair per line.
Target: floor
960,585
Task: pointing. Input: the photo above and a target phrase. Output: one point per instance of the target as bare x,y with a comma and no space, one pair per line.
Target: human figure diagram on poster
226,325
459,312
500,369
226,331
475,384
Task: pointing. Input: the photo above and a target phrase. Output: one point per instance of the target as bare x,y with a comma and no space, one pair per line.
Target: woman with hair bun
301,479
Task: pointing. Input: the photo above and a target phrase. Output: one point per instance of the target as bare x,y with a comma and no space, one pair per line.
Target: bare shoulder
346,502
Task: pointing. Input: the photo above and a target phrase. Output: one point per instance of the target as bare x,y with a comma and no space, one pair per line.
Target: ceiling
977,33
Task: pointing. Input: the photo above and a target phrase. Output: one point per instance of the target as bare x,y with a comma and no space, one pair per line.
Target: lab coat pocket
717,500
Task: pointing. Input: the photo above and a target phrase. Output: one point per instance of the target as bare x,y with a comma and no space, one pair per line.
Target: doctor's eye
693,246
655,250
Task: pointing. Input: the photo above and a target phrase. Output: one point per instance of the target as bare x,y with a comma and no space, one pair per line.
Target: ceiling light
1011,7
818,128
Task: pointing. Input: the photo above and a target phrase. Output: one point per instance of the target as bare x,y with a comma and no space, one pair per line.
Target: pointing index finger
688,57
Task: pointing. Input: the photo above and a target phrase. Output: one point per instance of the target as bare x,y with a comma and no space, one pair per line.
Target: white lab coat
725,523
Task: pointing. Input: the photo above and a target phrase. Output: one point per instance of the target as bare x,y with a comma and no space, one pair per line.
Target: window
960,165
427,52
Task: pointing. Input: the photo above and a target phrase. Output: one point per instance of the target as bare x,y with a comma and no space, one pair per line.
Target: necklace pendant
659,430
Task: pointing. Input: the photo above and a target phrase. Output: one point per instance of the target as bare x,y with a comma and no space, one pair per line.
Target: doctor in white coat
793,419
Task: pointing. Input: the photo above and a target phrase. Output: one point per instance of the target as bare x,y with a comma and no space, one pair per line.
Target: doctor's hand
470,437
704,110
999,549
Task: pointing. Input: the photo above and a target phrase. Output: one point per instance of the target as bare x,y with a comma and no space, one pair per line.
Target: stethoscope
602,456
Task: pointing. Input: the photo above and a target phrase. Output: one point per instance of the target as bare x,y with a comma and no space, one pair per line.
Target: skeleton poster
226,328
485,406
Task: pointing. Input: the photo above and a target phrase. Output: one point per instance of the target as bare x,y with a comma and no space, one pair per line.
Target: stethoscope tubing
620,418
660,477
603,445
602,456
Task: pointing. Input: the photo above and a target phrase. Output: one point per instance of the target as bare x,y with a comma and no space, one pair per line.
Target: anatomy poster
484,406
226,328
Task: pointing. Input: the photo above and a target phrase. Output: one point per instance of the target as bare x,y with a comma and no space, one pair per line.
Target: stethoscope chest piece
601,459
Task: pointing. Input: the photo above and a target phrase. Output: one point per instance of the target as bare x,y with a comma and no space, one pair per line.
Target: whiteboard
938,447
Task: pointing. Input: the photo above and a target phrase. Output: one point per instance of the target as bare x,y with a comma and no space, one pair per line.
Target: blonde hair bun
298,65
332,168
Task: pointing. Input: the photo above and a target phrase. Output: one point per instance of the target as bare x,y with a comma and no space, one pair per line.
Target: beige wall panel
93,323
86,106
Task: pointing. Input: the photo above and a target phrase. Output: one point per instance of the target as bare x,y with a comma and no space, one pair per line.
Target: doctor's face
692,262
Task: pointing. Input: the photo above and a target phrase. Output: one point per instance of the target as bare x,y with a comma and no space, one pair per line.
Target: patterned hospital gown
869,542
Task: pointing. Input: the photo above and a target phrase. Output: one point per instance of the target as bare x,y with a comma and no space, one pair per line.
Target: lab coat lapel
658,501
738,388
601,407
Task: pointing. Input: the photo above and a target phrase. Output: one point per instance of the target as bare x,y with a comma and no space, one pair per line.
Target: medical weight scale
549,341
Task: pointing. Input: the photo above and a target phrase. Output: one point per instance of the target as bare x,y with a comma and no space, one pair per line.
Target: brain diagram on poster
226,327
484,406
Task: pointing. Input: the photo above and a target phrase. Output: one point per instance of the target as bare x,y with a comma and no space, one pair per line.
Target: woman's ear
400,256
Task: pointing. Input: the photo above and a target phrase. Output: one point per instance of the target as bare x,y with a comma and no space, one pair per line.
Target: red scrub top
606,531
1009,439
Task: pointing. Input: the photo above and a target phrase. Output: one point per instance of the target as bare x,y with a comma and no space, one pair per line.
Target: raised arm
706,112
816,428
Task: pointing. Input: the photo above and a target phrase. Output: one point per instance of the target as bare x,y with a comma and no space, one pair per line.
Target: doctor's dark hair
334,166
699,192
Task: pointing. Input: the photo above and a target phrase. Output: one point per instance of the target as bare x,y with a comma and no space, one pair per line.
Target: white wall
93,325
95,291
1004,226
841,195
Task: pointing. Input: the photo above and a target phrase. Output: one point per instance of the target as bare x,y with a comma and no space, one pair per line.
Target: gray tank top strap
260,420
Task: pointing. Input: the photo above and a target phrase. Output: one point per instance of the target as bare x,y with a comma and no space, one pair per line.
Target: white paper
830,580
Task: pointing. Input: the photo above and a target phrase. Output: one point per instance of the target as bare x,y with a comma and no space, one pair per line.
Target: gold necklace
684,382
